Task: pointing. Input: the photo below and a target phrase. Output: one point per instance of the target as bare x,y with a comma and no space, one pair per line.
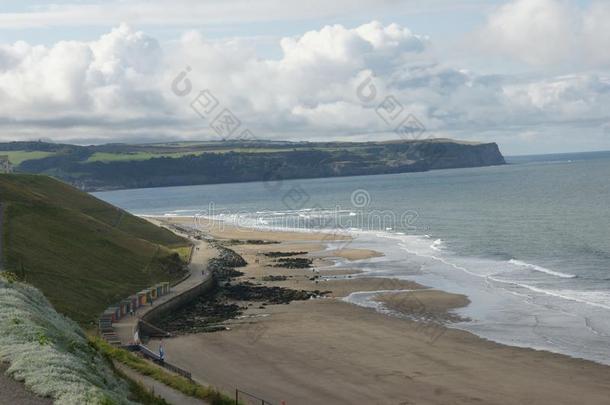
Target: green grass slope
83,253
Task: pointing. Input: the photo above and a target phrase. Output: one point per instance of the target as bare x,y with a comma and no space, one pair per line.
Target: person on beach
161,352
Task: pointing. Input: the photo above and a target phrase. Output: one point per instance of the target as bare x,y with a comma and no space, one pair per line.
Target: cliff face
226,162
452,155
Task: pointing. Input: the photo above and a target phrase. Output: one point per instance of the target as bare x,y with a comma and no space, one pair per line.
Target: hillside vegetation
83,253
115,166
50,353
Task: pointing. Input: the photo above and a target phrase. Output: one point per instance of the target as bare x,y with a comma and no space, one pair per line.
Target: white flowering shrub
50,353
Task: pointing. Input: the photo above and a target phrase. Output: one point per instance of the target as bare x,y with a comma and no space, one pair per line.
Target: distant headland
122,166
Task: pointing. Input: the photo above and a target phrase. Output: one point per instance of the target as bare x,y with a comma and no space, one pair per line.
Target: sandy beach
328,351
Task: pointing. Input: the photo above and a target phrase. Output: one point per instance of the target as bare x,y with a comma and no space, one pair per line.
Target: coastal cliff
456,155
117,166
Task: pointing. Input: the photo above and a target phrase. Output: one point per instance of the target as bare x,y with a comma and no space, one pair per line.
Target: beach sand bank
329,351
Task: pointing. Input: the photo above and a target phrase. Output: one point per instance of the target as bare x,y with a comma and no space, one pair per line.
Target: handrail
146,352
238,391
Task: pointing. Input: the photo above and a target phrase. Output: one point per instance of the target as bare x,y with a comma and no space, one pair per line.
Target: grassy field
83,253
114,157
184,252
18,156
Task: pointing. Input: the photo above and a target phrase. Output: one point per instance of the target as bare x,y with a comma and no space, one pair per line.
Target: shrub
50,353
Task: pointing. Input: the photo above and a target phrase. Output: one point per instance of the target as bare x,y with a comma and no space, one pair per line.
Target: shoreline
225,230
329,236
266,336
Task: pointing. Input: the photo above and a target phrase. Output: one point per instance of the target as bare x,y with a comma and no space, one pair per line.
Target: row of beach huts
129,306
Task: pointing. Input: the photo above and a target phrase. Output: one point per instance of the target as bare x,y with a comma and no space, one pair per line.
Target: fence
149,354
241,397
245,398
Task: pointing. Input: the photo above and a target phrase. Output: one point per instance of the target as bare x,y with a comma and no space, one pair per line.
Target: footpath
198,274
126,327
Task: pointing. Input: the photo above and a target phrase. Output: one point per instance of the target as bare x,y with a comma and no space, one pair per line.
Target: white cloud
596,32
118,88
109,79
538,31
314,77
189,13
549,33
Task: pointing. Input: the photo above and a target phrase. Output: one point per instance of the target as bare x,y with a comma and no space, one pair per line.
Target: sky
531,75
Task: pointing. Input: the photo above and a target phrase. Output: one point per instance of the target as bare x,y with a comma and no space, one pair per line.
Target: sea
527,242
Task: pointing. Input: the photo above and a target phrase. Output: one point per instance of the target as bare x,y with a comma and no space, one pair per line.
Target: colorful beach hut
105,326
134,302
142,300
153,293
106,319
125,307
123,310
165,286
116,313
159,289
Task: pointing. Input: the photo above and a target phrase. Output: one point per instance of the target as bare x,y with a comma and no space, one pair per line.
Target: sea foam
541,269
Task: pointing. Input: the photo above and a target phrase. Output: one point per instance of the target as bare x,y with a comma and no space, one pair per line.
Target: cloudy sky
532,75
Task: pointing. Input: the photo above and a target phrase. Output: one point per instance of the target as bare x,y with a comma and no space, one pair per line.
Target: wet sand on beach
328,351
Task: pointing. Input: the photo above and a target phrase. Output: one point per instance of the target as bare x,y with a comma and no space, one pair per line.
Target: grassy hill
83,253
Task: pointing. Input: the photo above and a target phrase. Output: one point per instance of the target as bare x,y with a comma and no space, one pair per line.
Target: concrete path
169,394
125,328
202,252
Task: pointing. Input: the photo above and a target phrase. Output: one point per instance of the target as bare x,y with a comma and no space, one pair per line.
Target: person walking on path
161,352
